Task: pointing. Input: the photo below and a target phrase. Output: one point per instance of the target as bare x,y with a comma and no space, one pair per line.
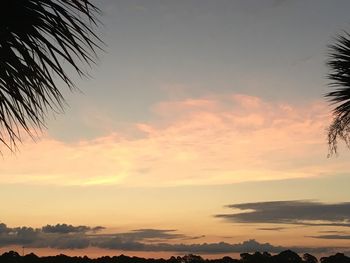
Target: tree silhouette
308,258
283,257
36,38
339,65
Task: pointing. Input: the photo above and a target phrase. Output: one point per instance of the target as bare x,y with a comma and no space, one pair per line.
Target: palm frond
36,38
339,65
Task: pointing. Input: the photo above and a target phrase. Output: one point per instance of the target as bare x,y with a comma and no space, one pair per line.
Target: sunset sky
201,130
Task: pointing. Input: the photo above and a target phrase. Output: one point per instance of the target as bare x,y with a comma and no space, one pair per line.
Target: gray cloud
298,212
331,231
346,237
271,228
65,229
149,234
97,228
58,236
193,238
18,235
210,248
64,236
62,242
3,228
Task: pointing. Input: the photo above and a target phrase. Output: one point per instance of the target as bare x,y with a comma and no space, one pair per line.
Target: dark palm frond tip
339,66
36,38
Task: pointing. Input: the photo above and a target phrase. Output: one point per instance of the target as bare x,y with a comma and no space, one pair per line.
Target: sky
202,129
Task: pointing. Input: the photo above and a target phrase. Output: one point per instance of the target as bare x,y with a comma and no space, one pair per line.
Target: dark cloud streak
65,229
335,237
271,228
296,212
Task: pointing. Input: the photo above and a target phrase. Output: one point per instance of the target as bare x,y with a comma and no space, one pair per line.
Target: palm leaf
36,38
339,65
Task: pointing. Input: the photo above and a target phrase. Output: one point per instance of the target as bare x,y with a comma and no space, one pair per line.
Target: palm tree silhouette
339,65
36,38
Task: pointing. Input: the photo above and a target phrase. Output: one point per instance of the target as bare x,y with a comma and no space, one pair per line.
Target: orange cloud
212,140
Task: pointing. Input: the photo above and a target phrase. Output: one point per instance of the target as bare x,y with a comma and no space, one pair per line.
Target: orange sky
194,106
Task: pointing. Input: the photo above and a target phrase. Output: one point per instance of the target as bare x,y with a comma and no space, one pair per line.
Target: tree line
287,256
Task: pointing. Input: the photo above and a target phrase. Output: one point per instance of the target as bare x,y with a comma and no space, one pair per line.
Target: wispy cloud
306,213
149,235
332,231
215,139
271,228
335,237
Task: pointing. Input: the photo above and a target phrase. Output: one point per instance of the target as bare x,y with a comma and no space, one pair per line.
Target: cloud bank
63,236
306,213
65,229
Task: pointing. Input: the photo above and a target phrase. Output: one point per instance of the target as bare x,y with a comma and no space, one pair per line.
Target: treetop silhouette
36,38
339,65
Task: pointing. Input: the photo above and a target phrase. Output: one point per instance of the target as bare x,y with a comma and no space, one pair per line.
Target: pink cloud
217,139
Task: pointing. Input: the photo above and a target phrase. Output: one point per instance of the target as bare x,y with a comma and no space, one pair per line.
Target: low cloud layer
149,235
271,228
65,229
63,236
209,248
306,213
335,237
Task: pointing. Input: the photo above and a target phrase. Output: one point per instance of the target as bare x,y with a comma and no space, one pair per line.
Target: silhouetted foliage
287,256
257,257
10,257
339,65
36,38
337,258
192,259
308,258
